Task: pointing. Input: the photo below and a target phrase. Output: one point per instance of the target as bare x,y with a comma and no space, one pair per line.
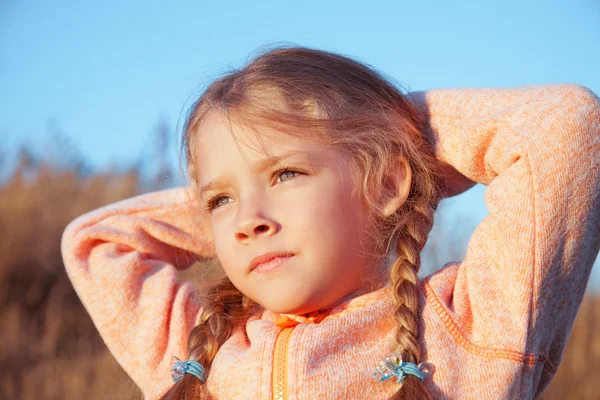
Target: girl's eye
285,172
215,202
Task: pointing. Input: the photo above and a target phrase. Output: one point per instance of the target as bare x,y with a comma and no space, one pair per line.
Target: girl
314,182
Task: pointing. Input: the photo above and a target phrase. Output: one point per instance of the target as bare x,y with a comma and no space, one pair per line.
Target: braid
404,281
224,308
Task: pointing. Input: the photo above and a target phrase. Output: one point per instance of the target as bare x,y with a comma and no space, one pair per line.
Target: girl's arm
537,148
123,260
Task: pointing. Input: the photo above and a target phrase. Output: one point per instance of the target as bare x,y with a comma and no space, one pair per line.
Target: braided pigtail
224,308
404,282
417,217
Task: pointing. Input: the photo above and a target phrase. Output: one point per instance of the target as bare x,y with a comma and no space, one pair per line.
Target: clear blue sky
105,74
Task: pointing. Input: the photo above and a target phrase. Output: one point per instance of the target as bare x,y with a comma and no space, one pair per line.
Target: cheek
332,220
223,246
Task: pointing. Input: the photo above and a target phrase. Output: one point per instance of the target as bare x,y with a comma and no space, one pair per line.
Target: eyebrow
259,167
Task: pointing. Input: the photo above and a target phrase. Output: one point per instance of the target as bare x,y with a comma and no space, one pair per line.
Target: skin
306,210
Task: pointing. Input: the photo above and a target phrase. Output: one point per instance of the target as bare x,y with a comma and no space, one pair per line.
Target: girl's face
279,193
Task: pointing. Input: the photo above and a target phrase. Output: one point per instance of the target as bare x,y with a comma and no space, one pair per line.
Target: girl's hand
454,182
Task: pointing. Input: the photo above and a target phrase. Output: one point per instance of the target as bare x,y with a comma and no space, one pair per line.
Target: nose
253,227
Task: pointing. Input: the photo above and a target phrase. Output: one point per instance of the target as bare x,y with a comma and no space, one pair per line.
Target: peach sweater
494,325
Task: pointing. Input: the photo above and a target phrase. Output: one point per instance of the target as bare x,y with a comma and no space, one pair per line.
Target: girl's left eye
283,172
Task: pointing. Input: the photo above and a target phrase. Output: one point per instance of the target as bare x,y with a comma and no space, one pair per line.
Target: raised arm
123,260
528,262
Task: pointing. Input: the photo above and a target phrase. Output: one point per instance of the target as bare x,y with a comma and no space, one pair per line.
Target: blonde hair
350,106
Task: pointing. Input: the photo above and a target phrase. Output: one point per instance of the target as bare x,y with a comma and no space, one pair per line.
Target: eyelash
210,204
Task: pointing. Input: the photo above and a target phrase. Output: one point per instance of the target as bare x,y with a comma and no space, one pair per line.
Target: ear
396,185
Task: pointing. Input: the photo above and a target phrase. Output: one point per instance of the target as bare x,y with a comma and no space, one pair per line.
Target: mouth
269,261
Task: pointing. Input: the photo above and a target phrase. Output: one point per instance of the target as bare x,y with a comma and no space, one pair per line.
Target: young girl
314,183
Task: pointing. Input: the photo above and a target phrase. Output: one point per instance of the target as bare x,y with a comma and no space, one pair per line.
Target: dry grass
50,347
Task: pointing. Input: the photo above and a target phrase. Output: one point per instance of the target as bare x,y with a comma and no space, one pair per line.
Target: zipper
280,361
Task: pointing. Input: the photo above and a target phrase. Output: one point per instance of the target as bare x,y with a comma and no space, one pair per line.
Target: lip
256,261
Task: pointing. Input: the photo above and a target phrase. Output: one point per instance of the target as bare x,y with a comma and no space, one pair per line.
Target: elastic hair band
393,365
191,367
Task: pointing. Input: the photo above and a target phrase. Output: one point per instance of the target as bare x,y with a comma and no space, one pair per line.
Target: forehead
219,128
221,145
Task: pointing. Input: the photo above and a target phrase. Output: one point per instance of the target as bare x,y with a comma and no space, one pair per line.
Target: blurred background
92,101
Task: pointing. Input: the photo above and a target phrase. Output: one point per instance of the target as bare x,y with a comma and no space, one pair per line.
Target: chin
283,308
294,308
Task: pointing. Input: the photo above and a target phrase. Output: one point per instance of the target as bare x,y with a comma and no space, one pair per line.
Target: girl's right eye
213,202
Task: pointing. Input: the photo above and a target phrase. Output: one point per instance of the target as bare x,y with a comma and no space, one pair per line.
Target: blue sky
104,75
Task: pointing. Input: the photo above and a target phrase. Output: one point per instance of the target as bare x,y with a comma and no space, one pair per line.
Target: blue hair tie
191,367
393,365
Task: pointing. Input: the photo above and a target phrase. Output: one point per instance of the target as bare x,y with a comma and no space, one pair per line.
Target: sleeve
124,260
537,148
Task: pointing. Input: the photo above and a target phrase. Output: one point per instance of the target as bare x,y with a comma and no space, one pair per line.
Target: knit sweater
494,325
